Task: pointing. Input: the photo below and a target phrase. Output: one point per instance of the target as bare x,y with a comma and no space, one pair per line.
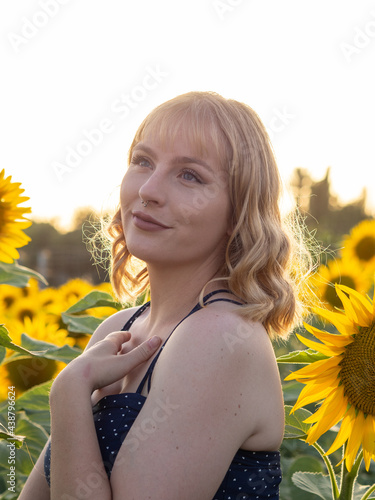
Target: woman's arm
76,464
36,485
215,387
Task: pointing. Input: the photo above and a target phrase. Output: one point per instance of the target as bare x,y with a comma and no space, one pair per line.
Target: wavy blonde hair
265,263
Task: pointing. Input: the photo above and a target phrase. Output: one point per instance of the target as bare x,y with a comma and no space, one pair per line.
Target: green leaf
8,436
81,324
33,347
94,299
35,399
2,353
315,483
306,463
304,357
35,439
33,443
50,351
360,490
35,402
16,275
291,391
295,428
6,341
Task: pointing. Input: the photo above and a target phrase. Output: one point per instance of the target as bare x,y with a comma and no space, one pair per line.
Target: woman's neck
174,292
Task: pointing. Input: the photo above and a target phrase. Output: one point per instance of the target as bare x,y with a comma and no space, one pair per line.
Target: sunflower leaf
360,491
6,341
2,354
295,428
315,483
16,275
94,299
65,353
306,356
81,324
8,436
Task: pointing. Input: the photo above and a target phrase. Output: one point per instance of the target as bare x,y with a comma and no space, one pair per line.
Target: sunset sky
78,77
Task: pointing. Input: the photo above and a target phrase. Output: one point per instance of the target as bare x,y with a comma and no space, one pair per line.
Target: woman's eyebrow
192,159
177,159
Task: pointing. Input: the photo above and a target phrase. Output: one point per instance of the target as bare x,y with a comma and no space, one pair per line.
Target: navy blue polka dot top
251,475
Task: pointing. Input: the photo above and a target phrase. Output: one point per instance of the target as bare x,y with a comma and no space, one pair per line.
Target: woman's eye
190,175
141,161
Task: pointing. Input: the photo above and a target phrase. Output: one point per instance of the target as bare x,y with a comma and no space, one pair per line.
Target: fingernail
154,341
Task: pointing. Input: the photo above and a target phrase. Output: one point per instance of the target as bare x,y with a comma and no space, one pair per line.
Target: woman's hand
108,360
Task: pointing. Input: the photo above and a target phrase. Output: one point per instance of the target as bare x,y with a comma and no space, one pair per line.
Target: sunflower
73,290
345,380
360,244
26,372
9,294
342,272
12,219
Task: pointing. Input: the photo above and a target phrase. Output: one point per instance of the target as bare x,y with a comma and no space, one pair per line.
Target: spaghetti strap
197,307
137,313
225,300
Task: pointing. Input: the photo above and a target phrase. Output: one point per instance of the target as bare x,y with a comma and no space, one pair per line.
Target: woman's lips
147,223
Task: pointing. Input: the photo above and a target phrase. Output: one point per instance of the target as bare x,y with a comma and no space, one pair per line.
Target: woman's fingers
140,354
117,339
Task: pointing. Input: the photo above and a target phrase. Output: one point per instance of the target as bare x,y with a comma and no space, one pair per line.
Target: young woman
181,398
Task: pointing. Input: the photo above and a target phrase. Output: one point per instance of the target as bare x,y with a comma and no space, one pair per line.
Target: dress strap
197,307
137,313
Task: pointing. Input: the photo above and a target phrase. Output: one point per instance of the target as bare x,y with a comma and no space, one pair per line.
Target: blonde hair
262,248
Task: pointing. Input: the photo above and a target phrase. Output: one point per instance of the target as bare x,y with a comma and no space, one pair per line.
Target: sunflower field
327,366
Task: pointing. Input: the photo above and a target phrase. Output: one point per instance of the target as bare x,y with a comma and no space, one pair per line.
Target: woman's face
187,217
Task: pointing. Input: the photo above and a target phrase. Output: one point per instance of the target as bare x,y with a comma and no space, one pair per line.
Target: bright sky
78,77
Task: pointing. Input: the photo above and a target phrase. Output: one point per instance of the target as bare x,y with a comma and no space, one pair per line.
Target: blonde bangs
194,120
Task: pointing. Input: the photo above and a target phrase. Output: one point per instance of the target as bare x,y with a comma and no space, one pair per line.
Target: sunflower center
358,370
365,248
330,294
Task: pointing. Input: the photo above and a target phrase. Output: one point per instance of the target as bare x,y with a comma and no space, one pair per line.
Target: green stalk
368,492
348,478
331,472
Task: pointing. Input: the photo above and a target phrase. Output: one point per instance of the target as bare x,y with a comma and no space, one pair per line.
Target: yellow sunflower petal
327,419
327,350
331,338
315,369
335,403
343,324
348,306
368,442
344,432
361,305
314,392
355,440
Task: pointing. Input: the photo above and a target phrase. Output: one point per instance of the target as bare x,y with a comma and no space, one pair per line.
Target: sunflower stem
331,472
368,492
348,478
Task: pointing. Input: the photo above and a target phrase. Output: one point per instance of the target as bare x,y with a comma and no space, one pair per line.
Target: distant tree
62,256
324,215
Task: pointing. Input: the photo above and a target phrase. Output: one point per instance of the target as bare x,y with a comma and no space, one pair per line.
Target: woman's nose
153,189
